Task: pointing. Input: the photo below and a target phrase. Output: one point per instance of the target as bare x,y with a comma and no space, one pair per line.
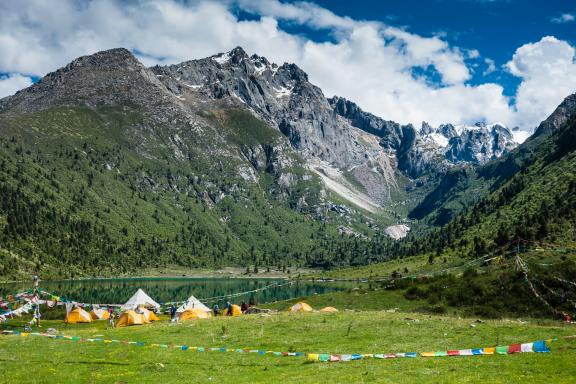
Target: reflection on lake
118,291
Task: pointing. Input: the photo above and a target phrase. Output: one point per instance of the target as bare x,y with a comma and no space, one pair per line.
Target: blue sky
457,61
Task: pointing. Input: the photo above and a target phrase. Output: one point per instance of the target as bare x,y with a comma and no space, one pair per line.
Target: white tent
140,298
192,302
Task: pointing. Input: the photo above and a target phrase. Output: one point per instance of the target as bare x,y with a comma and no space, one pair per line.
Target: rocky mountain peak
111,58
561,115
426,128
232,57
106,77
447,130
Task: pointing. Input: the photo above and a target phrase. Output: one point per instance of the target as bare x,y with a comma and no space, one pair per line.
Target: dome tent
235,310
300,307
193,314
149,316
99,314
130,317
78,315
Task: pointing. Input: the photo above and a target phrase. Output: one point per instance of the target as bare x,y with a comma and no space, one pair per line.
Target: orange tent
236,311
193,314
130,317
328,309
78,315
149,316
99,314
300,307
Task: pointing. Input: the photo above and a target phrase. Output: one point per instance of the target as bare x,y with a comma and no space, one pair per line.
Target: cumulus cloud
387,70
563,18
548,72
11,83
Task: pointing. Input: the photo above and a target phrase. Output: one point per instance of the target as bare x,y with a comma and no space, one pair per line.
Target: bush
414,293
437,309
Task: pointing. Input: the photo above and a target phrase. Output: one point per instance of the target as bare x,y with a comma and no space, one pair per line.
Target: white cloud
548,73
11,83
563,18
490,66
378,66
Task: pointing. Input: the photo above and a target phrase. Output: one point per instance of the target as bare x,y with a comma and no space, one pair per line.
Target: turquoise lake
118,291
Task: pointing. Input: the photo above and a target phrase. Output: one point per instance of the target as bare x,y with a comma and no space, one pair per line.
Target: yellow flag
489,351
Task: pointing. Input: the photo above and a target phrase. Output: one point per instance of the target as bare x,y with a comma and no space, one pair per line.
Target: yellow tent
99,314
328,309
130,317
300,307
149,316
78,315
193,314
236,311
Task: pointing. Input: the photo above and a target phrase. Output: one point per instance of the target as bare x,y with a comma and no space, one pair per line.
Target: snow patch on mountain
222,58
282,92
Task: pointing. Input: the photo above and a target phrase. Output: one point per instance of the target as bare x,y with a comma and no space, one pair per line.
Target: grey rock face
391,134
447,130
281,95
284,98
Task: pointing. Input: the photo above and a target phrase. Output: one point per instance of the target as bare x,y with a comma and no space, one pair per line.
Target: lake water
118,291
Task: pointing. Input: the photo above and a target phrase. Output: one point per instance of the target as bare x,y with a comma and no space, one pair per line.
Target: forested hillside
538,202
77,199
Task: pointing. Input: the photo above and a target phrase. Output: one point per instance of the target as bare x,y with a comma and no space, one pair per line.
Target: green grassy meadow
35,359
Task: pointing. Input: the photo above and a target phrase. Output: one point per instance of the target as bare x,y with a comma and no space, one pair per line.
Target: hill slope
104,171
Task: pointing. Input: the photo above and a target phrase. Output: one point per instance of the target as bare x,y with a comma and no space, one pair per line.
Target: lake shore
183,273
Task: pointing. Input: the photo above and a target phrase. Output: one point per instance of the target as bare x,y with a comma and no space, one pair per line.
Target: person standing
172,312
111,323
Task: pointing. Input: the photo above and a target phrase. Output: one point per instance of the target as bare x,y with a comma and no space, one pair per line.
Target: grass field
39,360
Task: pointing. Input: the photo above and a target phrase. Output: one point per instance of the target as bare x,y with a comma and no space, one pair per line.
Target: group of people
228,310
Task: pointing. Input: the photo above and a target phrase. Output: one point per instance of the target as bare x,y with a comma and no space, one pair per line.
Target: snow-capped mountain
430,149
476,144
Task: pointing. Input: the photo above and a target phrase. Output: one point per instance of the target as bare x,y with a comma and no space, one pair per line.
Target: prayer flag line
536,346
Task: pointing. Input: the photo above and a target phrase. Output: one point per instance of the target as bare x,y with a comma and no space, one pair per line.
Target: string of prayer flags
536,346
